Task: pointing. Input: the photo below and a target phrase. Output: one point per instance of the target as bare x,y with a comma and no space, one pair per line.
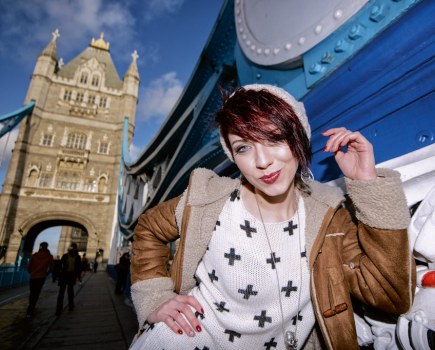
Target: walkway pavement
100,319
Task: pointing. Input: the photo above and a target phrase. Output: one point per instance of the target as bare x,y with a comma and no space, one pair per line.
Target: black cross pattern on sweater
221,307
299,316
234,195
273,259
204,348
248,292
271,344
304,254
232,334
290,228
218,223
290,288
262,319
231,256
213,276
199,315
248,229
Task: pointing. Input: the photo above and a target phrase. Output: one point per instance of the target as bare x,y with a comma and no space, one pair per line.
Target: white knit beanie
298,108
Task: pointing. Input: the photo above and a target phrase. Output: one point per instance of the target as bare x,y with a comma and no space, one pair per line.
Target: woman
264,258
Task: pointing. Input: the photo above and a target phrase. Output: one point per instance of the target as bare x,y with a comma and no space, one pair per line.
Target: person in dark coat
69,273
38,267
56,269
122,270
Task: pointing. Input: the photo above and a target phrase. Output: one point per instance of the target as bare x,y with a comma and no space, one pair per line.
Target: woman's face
270,168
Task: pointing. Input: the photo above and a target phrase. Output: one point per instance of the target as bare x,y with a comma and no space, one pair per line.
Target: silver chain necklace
290,337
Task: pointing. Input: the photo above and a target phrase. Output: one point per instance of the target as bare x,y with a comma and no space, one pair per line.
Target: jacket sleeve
377,261
151,282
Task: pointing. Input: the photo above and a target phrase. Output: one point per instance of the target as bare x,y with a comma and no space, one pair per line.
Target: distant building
65,164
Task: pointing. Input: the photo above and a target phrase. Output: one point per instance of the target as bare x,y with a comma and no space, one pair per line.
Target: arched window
95,80
84,78
76,140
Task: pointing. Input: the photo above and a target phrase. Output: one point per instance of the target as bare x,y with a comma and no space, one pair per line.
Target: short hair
263,116
73,245
43,245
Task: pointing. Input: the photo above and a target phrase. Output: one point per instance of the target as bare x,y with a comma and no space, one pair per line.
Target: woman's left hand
358,162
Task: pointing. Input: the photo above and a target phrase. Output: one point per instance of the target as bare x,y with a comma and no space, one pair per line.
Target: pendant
290,340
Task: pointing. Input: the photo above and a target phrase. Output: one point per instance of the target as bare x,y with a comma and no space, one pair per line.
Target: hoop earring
307,176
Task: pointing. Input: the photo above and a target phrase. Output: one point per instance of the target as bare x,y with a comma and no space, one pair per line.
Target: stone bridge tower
65,163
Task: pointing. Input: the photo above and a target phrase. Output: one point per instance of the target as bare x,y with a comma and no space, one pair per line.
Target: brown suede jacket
366,257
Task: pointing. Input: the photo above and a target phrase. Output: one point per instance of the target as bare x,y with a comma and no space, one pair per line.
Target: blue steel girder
10,120
185,134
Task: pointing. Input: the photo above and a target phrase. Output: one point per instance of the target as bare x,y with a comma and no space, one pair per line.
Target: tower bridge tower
65,163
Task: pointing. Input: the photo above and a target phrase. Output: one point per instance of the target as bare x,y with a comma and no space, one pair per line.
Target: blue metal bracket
352,36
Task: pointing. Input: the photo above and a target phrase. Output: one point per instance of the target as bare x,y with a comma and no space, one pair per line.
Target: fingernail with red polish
324,149
180,331
198,328
202,310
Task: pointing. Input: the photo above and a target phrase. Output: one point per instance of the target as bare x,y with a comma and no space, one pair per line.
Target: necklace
290,337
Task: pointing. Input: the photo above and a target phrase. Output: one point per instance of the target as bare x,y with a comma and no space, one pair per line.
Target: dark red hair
263,117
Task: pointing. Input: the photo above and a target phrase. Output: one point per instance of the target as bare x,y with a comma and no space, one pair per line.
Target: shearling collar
210,187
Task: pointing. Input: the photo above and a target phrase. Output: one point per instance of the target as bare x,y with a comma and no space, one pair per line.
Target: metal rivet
252,47
248,42
356,32
259,51
275,51
341,46
301,40
258,76
315,68
267,52
327,57
318,29
288,46
378,13
241,29
425,136
338,14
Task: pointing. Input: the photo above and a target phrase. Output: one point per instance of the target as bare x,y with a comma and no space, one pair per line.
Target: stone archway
21,244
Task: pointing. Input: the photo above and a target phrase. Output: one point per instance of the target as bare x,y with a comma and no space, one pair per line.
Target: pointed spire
50,50
132,70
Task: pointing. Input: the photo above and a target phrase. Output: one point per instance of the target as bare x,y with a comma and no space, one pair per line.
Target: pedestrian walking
95,266
84,266
69,274
56,269
38,267
122,270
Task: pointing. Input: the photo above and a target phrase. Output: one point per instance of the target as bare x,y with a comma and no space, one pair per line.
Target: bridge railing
12,276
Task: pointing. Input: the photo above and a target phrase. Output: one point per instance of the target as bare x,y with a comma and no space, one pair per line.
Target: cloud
157,8
135,151
159,97
30,23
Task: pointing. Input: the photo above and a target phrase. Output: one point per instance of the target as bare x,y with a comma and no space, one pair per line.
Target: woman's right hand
178,315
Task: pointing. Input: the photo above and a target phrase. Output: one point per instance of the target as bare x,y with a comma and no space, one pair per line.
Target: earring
307,176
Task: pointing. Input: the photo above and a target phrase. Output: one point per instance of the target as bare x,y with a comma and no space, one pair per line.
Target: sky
169,36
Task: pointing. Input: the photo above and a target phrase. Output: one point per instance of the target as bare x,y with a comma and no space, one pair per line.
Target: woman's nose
263,157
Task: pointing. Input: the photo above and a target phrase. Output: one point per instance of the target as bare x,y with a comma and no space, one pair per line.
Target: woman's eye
241,149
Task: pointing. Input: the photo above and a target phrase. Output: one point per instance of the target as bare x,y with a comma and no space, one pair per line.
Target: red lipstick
270,178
